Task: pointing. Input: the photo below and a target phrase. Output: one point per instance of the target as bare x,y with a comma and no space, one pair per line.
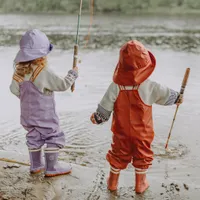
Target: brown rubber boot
112,181
141,183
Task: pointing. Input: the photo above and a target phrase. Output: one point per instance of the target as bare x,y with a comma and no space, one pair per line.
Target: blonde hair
23,68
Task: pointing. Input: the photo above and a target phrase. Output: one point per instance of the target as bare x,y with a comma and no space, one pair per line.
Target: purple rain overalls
38,116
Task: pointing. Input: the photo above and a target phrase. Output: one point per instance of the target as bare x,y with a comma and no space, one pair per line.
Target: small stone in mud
188,175
11,166
186,186
177,188
163,185
161,193
101,183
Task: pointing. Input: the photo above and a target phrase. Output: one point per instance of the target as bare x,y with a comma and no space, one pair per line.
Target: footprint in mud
125,193
99,185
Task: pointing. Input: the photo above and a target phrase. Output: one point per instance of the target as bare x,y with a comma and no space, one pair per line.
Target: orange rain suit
132,124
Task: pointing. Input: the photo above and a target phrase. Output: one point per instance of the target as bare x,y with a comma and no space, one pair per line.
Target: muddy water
87,144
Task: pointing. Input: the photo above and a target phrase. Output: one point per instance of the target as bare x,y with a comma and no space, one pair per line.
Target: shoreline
185,42
159,11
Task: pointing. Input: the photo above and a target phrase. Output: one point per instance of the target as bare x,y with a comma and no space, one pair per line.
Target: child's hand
179,101
75,69
92,119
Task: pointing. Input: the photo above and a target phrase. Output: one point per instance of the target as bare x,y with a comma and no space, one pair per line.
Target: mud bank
88,184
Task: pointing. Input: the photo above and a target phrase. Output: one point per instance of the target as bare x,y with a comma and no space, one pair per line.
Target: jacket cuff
102,115
173,98
72,76
73,73
103,112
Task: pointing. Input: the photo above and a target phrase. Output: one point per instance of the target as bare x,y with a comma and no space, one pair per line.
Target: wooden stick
75,62
14,161
87,38
76,42
183,86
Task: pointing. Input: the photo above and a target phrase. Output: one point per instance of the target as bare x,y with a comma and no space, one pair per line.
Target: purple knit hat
33,44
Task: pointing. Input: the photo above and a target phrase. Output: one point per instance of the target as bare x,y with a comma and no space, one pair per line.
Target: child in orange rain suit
130,96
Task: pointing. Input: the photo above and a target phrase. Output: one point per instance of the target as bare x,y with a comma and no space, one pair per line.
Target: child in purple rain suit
34,83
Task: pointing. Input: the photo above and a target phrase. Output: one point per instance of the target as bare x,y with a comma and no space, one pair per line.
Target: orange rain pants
132,129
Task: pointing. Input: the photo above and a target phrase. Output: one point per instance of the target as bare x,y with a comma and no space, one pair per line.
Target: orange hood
135,64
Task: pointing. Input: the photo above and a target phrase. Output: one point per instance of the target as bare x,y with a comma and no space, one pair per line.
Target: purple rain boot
36,161
53,168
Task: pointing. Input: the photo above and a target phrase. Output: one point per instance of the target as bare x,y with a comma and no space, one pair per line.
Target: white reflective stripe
114,172
75,56
51,151
144,172
138,169
128,87
34,150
